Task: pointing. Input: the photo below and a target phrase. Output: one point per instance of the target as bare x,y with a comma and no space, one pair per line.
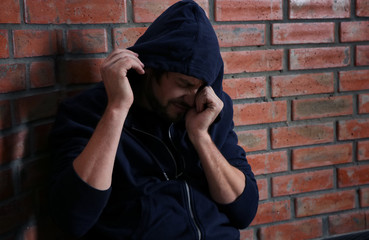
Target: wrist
117,111
118,106
199,137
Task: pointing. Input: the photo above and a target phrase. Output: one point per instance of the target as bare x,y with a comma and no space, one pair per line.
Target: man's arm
95,164
226,182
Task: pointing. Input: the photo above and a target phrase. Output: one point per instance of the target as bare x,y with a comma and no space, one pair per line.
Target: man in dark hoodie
150,153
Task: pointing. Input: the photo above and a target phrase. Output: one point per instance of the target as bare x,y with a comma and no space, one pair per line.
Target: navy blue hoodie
159,190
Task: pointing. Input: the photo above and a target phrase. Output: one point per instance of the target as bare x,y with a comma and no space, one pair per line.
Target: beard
163,110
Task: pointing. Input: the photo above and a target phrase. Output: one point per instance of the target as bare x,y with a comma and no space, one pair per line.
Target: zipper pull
166,176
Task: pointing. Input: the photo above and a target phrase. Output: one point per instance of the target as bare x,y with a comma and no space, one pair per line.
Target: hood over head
183,40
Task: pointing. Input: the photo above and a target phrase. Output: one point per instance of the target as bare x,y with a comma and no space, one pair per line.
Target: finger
124,64
208,99
124,54
139,68
120,51
117,54
201,100
125,61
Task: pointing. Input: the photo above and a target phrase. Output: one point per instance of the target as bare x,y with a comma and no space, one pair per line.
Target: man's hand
114,74
207,107
226,183
95,163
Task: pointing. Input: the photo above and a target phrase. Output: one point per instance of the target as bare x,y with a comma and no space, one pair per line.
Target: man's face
174,94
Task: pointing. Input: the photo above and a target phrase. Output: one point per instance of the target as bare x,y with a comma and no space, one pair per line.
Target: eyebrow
190,83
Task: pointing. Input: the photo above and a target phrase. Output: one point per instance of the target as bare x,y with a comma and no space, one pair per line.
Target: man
150,153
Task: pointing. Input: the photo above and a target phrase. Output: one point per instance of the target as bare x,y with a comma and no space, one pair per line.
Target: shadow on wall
25,161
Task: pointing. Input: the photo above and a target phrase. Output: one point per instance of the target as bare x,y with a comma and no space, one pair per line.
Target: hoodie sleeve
242,211
75,206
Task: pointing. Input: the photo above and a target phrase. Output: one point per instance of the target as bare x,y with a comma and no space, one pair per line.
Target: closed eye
184,83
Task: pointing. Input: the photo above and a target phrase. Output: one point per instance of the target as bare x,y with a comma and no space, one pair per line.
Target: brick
60,48
301,135
302,182
364,197
240,35
44,228
75,12
314,58
253,10
80,71
10,11
126,37
33,174
247,234
32,43
354,31
6,184
40,141
302,84
362,8
4,43
241,88
252,61
363,150
363,103
353,176
321,156
249,113
322,107
354,80
305,229
42,74
12,77
148,11
353,129
362,55
325,203
271,162
36,107
346,223
263,188
319,9
253,140
15,213
272,212
5,114
87,41
302,33
14,146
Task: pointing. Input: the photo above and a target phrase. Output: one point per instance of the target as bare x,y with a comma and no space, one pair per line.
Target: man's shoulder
93,94
89,101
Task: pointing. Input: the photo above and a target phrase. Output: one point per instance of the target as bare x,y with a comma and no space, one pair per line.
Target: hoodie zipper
189,202
176,150
168,150
188,193
187,188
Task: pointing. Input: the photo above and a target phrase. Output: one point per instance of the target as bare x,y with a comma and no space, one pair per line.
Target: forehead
189,79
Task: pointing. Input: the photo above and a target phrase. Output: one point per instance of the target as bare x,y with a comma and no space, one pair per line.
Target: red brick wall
298,71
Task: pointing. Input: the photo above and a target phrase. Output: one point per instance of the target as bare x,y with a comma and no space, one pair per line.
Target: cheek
161,95
168,94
